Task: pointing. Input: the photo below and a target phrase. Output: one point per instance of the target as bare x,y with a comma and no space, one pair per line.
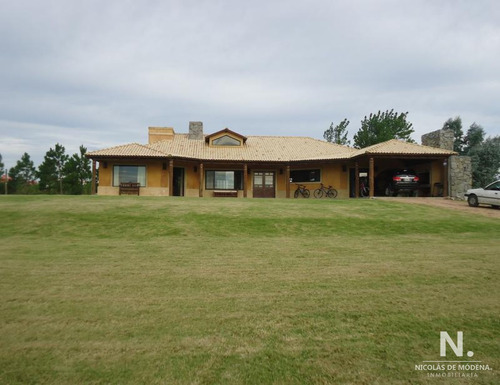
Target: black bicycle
301,190
330,192
364,190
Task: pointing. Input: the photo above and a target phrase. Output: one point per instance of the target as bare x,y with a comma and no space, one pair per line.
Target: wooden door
264,184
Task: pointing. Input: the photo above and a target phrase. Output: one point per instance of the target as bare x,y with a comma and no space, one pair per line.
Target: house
227,163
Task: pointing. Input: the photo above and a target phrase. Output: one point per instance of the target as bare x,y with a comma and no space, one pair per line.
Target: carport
373,165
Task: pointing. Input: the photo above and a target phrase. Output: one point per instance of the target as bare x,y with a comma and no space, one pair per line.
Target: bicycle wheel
365,192
318,193
332,193
296,194
306,193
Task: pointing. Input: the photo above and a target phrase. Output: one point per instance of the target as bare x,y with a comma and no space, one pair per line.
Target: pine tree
77,172
51,171
338,134
383,126
23,175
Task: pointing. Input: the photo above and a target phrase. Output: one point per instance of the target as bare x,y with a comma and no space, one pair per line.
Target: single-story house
227,163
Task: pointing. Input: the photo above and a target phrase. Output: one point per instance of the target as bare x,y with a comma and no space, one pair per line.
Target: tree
383,126
485,160
338,134
77,172
473,138
4,178
23,175
51,171
456,126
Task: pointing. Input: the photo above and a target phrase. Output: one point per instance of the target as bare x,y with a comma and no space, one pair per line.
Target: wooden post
287,176
171,177
245,172
93,182
200,168
356,183
445,178
371,171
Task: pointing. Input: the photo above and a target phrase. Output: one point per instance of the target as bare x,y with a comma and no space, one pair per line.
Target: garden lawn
132,290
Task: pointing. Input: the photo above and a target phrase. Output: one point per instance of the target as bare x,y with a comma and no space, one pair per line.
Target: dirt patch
487,211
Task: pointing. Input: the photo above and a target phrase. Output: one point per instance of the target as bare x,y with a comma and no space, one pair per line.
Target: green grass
129,290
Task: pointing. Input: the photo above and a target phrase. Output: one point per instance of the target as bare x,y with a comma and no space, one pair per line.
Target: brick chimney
195,130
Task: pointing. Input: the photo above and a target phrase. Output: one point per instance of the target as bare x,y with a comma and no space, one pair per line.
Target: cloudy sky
99,73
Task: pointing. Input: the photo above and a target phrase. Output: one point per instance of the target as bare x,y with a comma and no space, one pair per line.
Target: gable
225,138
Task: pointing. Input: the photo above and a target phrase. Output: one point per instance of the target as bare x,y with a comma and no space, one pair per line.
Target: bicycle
330,192
364,190
302,190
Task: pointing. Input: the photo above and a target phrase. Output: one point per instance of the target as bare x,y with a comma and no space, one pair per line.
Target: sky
98,73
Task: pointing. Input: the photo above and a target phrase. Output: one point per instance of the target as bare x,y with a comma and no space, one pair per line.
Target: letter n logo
458,349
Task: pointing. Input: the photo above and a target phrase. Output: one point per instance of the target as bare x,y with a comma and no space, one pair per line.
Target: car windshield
405,172
494,186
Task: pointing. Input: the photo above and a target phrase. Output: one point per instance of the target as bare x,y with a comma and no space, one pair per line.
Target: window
303,176
129,174
226,140
224,180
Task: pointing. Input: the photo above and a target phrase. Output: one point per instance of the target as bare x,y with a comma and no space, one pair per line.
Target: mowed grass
131,290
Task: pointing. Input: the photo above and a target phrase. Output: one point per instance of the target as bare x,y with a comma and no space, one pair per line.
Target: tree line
382,126
59,173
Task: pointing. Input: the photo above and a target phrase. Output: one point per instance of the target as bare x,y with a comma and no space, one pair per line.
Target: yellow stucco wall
157,177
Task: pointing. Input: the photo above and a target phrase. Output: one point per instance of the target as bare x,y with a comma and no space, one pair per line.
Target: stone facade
460,175
459,167
439,139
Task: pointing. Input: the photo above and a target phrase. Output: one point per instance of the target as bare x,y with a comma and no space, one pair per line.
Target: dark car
405,181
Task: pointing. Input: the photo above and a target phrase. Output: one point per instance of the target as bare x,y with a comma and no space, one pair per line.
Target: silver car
490,195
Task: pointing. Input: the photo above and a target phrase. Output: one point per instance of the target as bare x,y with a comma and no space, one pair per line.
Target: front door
178,182
264,184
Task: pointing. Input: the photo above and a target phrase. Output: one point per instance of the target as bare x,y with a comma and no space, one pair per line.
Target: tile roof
399,147
128,150
256,148
263,149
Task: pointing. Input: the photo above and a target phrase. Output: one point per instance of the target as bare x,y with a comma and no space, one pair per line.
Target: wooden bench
129,188
226,193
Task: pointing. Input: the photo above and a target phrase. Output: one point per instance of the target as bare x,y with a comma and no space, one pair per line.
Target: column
287,176
445,178
245,177
93,185
171,177
202,176
356,183
372,177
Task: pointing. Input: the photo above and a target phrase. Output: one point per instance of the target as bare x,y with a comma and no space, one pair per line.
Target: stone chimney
158,134
196,130
440,139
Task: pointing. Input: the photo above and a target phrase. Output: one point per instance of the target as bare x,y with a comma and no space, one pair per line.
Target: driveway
487,211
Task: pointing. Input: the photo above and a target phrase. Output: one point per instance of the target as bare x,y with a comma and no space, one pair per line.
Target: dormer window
226,140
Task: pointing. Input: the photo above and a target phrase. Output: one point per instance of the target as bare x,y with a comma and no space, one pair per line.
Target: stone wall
459,167
439,139
460,175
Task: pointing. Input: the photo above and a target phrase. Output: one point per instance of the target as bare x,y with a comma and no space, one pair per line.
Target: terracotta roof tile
396,147
128,150
263,149
256,148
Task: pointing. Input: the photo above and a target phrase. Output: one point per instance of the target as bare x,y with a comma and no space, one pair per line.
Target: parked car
402,181
490,195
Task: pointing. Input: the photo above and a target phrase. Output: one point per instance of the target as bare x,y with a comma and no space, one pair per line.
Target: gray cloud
98,73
